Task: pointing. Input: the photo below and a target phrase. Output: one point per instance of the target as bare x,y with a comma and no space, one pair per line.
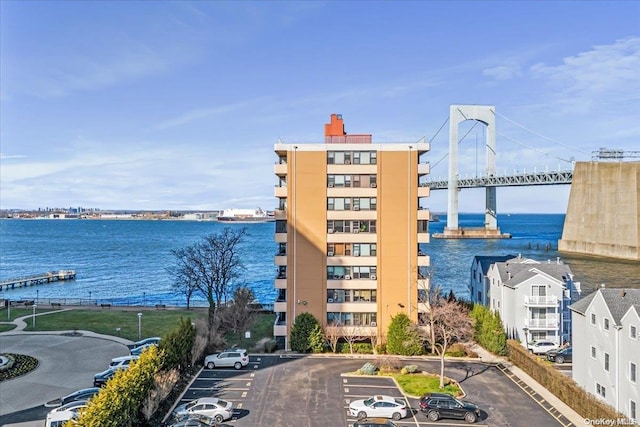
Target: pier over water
38,279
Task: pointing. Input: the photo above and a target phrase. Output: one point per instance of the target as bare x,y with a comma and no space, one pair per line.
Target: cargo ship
245,215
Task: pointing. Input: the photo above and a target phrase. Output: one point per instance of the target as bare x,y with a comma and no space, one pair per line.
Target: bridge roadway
524,179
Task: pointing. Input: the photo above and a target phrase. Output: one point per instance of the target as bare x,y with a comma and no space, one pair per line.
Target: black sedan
101,378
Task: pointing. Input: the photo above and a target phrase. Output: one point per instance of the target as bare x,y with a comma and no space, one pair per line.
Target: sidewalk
558,404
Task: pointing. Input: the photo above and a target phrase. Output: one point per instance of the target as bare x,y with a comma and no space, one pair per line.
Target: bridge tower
486,115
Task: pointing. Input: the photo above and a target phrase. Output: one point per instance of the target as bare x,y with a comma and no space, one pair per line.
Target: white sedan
218,409
379,406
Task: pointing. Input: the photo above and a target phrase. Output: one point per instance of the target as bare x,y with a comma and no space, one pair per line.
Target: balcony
280,191
424,192
423,260
280,307
279,330
280,283
280,214
540,301
281,259
547,323
280,169
424,168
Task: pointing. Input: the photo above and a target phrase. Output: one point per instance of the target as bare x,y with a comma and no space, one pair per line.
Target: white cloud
606,74
503,72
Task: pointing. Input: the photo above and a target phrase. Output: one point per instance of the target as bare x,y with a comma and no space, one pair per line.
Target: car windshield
370,401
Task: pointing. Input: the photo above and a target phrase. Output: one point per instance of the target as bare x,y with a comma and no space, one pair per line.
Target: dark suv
440,405
560,356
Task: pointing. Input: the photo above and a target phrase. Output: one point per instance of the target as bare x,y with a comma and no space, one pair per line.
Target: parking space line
551,410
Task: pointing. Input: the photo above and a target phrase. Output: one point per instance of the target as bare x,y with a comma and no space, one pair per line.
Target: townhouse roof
486,261
618,301
514,272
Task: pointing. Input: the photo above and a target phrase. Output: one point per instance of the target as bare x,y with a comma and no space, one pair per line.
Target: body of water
126,261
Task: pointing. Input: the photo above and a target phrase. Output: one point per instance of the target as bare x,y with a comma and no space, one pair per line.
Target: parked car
150,340
217,409
442,405
236,357
374,422
83,394
138,350
58,417
378,406
197,421
560,356
101,378
541,347
122,362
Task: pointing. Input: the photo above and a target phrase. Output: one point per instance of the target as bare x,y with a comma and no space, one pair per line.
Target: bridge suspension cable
532,148
539,135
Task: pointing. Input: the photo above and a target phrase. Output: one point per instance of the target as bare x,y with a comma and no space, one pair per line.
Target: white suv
235,357
541,347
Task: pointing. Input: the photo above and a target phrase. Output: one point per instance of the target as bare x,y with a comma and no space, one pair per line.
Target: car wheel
560,360
238,365
210,365
218,418
362,415
396,416
470,417
433,416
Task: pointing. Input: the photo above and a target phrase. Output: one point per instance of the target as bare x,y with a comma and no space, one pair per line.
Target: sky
160,105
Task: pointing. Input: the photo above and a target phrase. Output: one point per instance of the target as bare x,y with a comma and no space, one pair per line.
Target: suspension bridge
490,180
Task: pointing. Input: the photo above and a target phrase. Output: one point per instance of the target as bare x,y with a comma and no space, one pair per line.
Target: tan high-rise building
350,226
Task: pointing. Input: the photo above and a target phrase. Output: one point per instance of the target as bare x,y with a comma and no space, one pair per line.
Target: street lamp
139,326
526,336
33,324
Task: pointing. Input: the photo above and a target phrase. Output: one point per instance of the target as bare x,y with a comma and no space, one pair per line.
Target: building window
633,332
606,324
633,414
593,318
632,372
281,226
606,362
593,352
600,391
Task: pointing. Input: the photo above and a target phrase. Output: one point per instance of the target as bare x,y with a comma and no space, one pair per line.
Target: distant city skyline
176,105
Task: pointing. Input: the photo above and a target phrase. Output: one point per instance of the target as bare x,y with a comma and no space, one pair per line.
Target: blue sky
177,105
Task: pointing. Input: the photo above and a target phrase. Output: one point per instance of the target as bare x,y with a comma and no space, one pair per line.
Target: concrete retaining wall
603,216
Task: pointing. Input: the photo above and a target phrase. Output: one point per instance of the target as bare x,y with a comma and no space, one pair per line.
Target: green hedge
565,388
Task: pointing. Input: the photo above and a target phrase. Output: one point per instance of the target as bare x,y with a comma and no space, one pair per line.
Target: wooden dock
38,279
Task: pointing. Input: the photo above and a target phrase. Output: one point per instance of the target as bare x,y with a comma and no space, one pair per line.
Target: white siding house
533,298
479,284
606,347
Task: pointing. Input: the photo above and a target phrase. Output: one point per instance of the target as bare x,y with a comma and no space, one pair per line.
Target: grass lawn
418,384
262,328
107,321
154,322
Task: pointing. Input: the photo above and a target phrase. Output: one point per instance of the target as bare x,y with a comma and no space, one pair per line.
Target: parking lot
316,391
272,390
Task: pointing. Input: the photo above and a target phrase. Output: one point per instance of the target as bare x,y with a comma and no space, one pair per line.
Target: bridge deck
536,178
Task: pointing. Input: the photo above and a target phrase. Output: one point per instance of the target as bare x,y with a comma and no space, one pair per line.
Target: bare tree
164,383
332,334
200,341
240,313
451,323
352,335
211,266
